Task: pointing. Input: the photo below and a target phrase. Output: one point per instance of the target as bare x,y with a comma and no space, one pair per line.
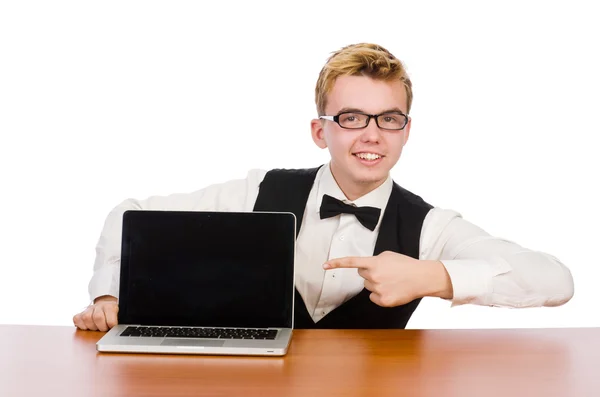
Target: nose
371,133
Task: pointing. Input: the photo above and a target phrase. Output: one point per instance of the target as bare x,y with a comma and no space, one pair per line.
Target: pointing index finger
347,262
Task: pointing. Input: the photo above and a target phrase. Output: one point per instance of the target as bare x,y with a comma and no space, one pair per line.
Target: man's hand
395,279
99,316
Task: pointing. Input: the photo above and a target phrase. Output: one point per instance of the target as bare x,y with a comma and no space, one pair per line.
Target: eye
352,120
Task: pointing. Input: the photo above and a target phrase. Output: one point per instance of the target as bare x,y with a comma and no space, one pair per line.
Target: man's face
362,158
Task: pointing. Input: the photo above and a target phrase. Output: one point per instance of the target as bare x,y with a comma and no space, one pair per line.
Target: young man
367,249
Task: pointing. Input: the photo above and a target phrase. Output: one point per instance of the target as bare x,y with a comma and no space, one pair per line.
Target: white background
101,101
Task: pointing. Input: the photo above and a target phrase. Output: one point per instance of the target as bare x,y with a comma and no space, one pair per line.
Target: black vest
287,191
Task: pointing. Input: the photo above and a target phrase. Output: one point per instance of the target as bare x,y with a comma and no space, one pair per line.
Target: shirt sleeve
235,195
492,271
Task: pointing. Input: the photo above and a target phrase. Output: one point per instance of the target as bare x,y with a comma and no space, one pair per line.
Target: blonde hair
363,59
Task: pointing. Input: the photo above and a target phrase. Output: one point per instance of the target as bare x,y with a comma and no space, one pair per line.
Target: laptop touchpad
191,342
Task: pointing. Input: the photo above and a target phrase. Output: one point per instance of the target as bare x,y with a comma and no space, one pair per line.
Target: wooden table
61,361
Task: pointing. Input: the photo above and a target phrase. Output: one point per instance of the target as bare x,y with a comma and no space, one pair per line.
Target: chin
361,180
365,177
362,174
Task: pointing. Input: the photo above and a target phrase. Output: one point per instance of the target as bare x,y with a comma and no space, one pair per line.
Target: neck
353,190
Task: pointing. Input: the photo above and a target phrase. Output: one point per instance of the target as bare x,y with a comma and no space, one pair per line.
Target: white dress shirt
483,269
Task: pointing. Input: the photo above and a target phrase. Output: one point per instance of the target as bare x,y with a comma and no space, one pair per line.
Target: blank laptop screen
207,269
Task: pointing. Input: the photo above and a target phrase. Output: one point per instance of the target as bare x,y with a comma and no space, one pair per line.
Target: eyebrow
357,110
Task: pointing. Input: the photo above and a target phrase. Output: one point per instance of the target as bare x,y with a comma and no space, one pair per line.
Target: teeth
368,156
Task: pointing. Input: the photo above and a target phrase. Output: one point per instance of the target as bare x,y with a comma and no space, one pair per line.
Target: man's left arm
491,271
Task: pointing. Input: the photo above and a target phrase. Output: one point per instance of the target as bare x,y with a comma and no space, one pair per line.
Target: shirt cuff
472,279
105,281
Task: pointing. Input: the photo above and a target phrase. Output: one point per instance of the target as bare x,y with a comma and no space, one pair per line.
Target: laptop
200,282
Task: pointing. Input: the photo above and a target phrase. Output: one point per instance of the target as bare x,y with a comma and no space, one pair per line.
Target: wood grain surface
62,361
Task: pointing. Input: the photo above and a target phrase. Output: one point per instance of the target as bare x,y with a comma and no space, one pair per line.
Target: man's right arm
103,288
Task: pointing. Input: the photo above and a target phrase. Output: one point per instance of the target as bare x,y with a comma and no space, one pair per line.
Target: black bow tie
367,216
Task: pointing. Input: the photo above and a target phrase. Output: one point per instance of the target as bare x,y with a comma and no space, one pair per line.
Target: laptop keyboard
190,332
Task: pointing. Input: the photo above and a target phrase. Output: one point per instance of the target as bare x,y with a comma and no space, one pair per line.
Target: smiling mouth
368,156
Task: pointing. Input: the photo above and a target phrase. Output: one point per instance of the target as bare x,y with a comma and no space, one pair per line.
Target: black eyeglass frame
336,119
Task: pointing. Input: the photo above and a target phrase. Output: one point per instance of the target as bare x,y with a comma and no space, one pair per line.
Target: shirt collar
377,198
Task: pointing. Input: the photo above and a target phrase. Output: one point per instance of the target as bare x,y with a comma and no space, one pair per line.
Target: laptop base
113,343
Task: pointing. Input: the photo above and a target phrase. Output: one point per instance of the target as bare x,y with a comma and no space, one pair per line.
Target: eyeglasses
357,120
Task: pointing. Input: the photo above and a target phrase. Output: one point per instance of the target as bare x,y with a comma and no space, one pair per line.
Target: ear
406,131
318,135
